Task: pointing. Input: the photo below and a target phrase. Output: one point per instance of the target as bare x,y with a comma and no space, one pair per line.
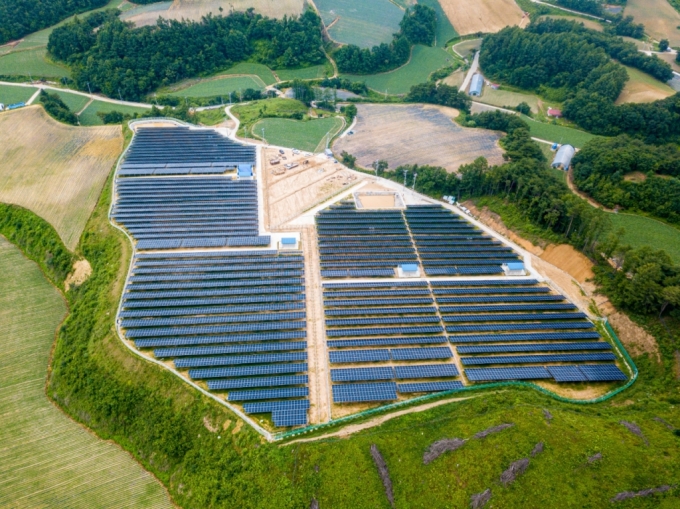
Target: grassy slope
221,87
75,102
10,94
560,134
445,30
89,116
31,62
308,73
47,460
297,134
643,231
251,112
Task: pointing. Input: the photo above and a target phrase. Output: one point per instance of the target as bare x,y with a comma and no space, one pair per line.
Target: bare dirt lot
487,16
289,192
417,134
55,170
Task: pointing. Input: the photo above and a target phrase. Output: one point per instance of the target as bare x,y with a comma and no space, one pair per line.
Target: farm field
303,135
89,116
659,17
10,94
416,134
263,72
445,30
466,48
365,24
455,79
588,23
55,170
31,62
424,61
670,58
221,87
643,231
75,102
642,88
47,460
558,133
307,73
486,16
509,98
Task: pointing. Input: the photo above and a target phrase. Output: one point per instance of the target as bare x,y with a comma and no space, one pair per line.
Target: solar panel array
385,328
235,320
183,151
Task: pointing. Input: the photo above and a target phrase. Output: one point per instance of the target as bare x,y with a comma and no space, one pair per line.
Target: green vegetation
10,94
364,24
445,31
47,459
307,73
211,117
642,231
558,133
250,113
248,68
222,87
504,98
32,62
424,61
90,117
74,102
304,135
57,109
441,94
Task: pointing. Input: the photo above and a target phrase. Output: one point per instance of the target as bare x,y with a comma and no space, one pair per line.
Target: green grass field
221,87
303,135
89,116
308,73
445,30
424,61
261,71
365,24
643,231
11,95
47,460
509,98
74,102
31,62
558,133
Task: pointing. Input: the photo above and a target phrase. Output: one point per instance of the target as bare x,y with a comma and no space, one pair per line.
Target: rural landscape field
339,254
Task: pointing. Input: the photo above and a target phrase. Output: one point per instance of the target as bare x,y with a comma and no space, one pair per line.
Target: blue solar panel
215,319
426,371
532,347
376,284
429,387
507,308
382,331
412,354
271,406
380,311
519,326
346,356
335,294
163,353
232,360
221,329
208,310
397,320
350,343
603,373
271,369
208,340
548,336
566,373
358,393
376,302
131,295
538,359
288,392
490,374
513,317
361,374
245,383
289,417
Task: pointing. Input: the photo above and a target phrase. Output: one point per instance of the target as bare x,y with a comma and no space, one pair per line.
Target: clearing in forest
486,16
365,24
309,135
659,18
47,460
55,170
417,134
89,117
642,88
643,231
221,87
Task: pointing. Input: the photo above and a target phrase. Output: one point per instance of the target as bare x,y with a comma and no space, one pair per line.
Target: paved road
468,77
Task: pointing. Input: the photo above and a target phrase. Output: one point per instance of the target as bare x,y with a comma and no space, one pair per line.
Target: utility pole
415,176
404,178
119,94
88,87
375,167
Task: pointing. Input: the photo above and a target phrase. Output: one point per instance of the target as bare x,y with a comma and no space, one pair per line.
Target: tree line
418,26
115,58
22,17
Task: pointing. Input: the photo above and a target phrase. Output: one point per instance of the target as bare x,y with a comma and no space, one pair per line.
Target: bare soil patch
636,340
639,92
479,500
82,270
55,170
635,176
412,134
570,261
440,447
515,469
487,16
383,472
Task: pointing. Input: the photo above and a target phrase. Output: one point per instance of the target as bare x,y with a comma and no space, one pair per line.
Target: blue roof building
476,85
245,171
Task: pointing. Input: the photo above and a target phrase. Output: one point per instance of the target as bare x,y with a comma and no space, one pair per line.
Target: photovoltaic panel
232,360
426,371
288,392
532,347
272,406
603,373
348,356
513,317
221,329
209,340
566,374
245,383
358,393
289,417
548,336
520,326
412,354
429,387
423,340
383,331
491,374
361,374
163,353
270,369
537,359
382,321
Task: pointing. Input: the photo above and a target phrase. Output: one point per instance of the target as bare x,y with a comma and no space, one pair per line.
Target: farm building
288,243
245,171
563,157
476,85
409,270
514,269
554,112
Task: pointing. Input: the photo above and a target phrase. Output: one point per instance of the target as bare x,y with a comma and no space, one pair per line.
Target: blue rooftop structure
516,266
409,267
245,170
287,241
476,85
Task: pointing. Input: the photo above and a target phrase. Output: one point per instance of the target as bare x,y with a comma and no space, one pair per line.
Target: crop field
445,30
643,231
221,87
47,460
55,170
466,48
588,23
89,116
670,58
508,98
558,133
75,102
10,94
31,62
263,72
304,135
486,16
365,24
659,17
424,61
307,73
416,134
642,88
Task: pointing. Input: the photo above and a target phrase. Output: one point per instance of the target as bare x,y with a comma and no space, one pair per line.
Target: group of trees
357,87
418,26
563,60
22,17
442,94
116,58
593,7
57,108
601,166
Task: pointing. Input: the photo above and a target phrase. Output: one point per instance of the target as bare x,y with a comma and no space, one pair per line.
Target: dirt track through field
486,16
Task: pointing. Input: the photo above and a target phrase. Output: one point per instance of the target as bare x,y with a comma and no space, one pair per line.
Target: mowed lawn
10,94
46,459
424,61
558,133
303,135
90,117
507,98
222,87
359,22
643,231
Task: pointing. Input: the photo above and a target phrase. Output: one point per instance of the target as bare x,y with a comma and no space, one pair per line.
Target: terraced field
47,460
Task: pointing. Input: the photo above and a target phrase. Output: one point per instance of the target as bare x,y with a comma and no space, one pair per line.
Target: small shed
245,171
514,269
476,85
554,112
288,243
408,270
563,157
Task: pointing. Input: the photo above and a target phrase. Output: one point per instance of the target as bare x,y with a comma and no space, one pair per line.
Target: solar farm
416,299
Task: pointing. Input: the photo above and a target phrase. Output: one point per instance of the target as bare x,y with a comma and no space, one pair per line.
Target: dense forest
442,94
593,7
418,26
115,58
57,108
22,17
564,61
601,167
